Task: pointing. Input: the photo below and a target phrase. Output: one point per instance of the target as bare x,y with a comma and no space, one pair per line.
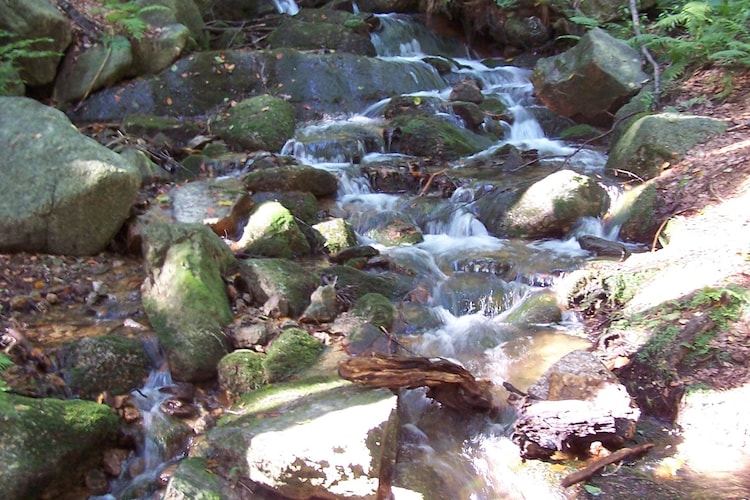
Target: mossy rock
338,235
292,178
241,371
108,363
359,283
272,231
435,138
287,279
376,309
350,35
261,123
48,445
302,204
185,296
193,479
291,352
541,308
638,214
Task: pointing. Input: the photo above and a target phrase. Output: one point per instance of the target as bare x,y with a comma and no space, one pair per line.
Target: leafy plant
126,15
5,363
695,33
11,51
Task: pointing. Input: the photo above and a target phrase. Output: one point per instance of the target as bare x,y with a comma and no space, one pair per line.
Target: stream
476,285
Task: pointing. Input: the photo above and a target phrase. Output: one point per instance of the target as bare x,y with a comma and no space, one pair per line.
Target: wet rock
376,309
72,202
654,140
185,296
358,283
292,178
47,445
178,408
268,277
290,353
433,137
603,247
590,81
352,253
241,371
540,308
324,29
192,479
271,231
468,91
396,232
109,363
551,206
258,123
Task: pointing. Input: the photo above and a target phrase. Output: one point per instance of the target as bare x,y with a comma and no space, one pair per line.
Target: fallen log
447,382
597,465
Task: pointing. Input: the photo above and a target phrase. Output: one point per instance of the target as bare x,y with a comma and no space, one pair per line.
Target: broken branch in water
597,465
447,382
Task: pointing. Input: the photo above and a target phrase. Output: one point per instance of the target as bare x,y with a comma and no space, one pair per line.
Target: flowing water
475,281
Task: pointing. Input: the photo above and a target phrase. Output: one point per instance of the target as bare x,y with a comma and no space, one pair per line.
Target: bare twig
646,53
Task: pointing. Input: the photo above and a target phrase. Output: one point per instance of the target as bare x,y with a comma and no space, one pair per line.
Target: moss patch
293,351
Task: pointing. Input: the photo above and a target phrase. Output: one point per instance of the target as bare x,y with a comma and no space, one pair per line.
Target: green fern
126,15
5,363
11,51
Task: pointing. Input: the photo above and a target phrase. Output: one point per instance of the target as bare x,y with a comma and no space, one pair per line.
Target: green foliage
126,16
11,51
695,33
5,363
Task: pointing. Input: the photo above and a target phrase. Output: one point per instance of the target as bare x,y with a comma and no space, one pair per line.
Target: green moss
241,371
376,309
293,351
259,123
425,136
193,480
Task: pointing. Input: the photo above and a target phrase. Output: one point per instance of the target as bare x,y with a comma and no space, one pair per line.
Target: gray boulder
62,192
185,298
327,444
91,68
292,178
48,445
665,137
31,20
590,81
153,54
550,207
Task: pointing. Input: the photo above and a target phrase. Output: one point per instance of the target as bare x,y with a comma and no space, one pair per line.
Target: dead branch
447,382
597,465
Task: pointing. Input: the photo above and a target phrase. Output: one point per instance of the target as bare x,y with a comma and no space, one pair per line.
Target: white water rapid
477,283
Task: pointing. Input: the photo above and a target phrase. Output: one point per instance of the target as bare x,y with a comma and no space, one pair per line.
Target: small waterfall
286,7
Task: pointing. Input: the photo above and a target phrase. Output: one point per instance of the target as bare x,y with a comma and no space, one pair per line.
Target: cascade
473,296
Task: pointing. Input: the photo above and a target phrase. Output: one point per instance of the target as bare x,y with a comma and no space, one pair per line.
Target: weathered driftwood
597,465
447,382
544,427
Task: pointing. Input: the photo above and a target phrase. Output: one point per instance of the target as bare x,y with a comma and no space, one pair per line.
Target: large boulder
324,29
551,206
332,83
48,445
185,298
655,139
91,68
327,439
36,20
62,192
590,81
